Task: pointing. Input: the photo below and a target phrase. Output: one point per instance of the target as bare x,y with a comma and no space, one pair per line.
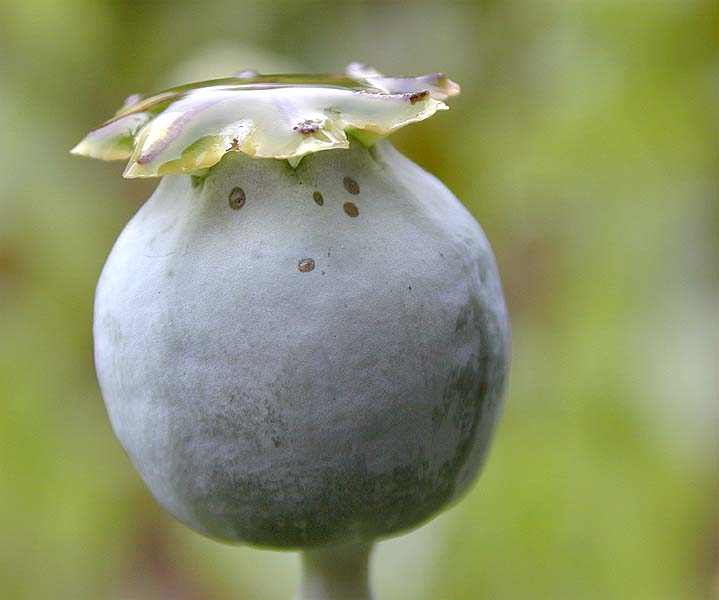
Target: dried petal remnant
306,265
351,185
351,209
237,198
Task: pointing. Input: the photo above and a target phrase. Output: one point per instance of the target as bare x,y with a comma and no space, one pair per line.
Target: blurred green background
584,141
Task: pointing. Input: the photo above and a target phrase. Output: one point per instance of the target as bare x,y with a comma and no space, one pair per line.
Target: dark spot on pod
351,185
307,127
196,181
237,198
319,200
415,97
306,265
351,209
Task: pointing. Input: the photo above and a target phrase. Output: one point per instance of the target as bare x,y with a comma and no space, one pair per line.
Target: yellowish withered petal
189,129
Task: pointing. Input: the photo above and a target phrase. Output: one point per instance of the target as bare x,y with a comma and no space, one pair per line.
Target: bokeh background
584,141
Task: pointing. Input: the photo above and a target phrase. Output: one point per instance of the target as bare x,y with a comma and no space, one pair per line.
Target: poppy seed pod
301,337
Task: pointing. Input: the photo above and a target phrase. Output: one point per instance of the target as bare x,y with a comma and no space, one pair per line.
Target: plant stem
336,573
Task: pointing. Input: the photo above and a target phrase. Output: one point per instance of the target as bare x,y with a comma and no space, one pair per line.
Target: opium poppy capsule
301,336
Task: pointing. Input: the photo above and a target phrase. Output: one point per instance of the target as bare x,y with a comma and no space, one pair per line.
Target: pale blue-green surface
583,141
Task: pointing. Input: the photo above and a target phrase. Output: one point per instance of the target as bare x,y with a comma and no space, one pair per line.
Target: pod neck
336,573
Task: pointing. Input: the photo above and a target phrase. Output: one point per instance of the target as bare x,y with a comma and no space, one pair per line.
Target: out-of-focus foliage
585,143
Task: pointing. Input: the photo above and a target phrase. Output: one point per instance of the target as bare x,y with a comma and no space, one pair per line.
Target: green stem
336,573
